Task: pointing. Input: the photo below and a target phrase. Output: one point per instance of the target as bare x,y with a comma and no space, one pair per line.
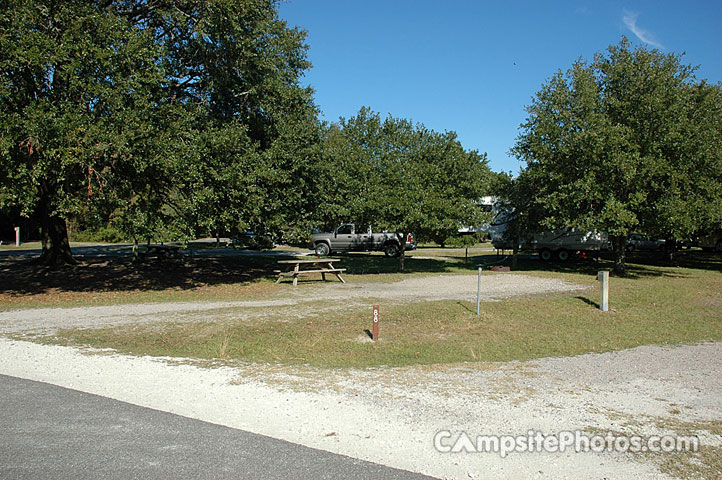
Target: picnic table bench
315,265
160,251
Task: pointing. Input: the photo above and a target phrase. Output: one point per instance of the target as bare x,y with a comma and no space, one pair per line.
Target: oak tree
629,142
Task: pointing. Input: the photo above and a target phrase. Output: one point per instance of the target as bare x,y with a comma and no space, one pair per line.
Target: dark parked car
641,243
711,242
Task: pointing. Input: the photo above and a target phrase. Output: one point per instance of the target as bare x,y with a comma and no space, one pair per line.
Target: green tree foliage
260,132
400,177
629,142
465,241
79,105
168,116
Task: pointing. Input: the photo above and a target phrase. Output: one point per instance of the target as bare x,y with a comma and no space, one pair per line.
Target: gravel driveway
294,301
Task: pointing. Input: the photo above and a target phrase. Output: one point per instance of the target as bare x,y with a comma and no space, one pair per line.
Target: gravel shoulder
390,416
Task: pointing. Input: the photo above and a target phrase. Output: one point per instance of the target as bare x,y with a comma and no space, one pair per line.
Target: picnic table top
311,260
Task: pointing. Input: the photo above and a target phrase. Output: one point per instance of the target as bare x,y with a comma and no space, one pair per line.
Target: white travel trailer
486,204
560,244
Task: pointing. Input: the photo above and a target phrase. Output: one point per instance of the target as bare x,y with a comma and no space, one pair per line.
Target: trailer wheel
545,254
563,255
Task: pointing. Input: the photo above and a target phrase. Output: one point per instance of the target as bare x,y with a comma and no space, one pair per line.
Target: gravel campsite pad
392,415
298,300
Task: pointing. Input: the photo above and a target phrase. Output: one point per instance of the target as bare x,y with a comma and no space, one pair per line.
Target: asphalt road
52,432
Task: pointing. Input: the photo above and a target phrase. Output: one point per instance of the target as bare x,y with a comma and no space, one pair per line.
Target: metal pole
478,294
17,236
604,278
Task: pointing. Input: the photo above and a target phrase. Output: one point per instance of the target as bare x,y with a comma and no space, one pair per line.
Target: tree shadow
638,265
111,269
370,264
121,274
108,269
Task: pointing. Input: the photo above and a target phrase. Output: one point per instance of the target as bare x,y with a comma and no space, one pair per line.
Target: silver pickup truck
346,238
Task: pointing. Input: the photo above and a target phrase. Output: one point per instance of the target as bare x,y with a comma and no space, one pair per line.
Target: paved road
48,431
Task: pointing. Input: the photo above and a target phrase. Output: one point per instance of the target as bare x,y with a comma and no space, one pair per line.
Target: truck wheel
322,249
563,255
391,250
545,254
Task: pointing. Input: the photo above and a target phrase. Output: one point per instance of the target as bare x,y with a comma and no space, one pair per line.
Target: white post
478,294
17,236
604,278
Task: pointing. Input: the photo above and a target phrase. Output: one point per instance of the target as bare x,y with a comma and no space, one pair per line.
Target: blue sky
471,66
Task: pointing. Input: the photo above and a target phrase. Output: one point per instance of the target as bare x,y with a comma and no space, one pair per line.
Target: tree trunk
620,249
515,250
135,249
670,248
56,244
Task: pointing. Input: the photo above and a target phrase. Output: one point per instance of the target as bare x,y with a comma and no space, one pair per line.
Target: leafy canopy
166,116
400,176
628,142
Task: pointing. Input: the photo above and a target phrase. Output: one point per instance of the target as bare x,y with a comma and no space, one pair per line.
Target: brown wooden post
295,274
375,327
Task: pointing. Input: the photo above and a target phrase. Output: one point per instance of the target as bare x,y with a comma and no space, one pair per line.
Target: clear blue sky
472,65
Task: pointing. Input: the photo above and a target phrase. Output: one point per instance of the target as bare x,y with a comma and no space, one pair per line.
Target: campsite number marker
375,328
478,293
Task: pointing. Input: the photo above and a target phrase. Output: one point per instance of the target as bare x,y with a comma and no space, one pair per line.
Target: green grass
659,305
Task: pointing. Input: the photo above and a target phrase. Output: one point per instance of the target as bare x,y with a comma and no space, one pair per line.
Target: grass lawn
654,305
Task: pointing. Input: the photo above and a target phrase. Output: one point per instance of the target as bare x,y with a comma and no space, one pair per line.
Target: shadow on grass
365,264
466,308
638,265
118,273
121,274
587,301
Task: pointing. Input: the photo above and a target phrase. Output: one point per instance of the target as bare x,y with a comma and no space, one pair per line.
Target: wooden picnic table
317,265
160,251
